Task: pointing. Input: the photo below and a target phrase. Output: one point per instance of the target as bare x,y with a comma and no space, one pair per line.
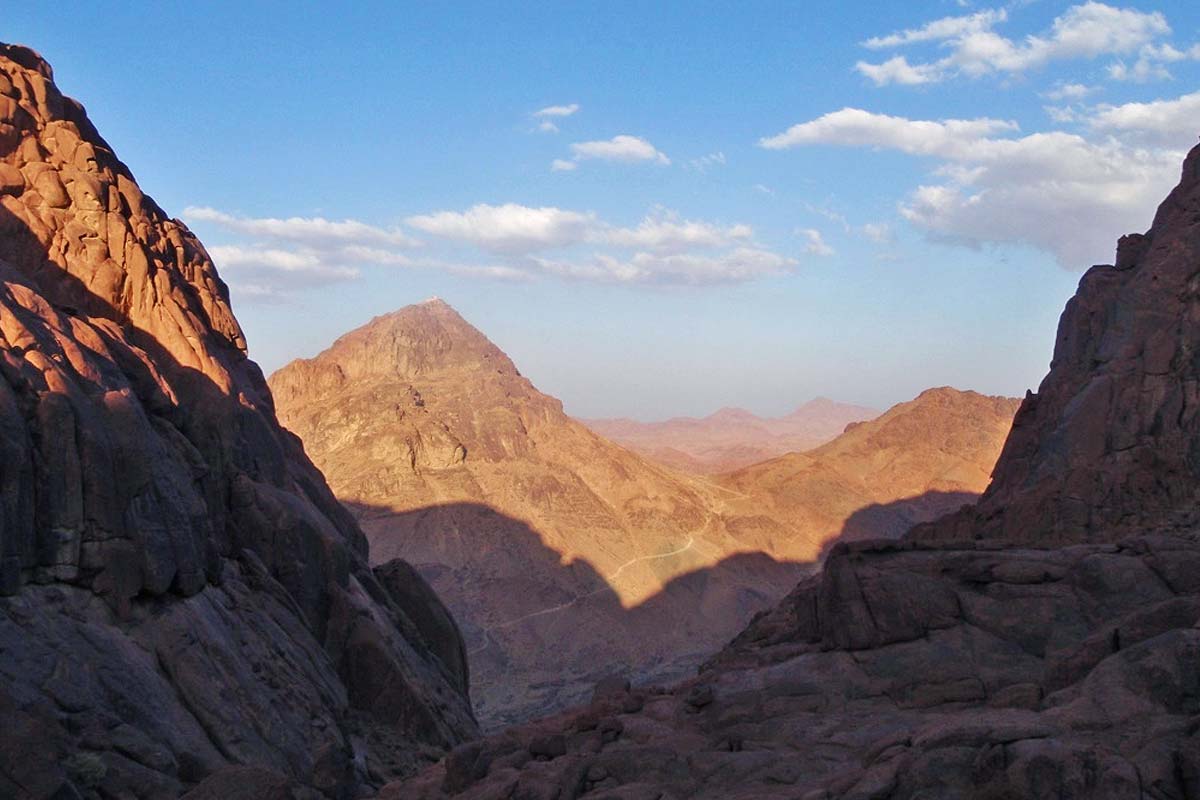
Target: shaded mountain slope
181,591
732,438
974,658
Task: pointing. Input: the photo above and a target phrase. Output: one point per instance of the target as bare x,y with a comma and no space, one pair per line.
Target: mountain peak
424,340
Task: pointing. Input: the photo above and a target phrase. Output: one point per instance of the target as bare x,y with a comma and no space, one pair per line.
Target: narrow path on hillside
717,486
487,631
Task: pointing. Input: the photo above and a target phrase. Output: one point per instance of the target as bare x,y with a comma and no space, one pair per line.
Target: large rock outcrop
181,593
1034,648
1110,443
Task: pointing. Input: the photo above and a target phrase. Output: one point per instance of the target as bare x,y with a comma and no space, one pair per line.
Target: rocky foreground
180,593
1044,644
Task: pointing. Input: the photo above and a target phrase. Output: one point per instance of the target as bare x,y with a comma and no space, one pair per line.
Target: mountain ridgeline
732,438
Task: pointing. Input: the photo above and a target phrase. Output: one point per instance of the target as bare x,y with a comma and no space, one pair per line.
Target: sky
654,209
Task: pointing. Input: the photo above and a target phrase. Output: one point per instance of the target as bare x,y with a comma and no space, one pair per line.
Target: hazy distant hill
732,437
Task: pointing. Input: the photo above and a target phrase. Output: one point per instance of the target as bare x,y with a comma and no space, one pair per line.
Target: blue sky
719,204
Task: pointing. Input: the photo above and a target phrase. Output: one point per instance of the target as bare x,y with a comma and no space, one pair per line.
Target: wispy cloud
545,116
293,253
508,228
316,231
1085,31
663,248
706,162
693,269
814,242
939,30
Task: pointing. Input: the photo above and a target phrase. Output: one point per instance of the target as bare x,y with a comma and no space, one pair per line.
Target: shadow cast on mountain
893,520
541,629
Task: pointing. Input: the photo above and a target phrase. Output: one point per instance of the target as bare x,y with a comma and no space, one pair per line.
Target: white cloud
294,253
663,248
562,165
269,274
1085,31
545,116
1056,191
945,28
855,127
692,269
1174,123
1151,63
556,111
316,231
623,148
665,231
828,213
1069,91
508,228
815,244
897,70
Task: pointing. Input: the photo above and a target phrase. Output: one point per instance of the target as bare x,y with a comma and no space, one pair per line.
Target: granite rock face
181,593
1043,645
1110,443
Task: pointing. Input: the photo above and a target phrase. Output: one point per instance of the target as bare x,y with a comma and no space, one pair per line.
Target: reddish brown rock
181,590
1110,443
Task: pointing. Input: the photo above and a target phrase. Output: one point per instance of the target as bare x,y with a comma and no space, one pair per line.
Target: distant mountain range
732,438
563,555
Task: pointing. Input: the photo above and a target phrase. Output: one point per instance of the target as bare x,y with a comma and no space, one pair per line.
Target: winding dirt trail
487,631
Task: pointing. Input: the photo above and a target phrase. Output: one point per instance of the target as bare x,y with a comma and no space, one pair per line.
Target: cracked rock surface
180,593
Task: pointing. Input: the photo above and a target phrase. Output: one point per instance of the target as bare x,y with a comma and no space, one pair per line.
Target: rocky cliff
1110,443
182,594
1044,646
